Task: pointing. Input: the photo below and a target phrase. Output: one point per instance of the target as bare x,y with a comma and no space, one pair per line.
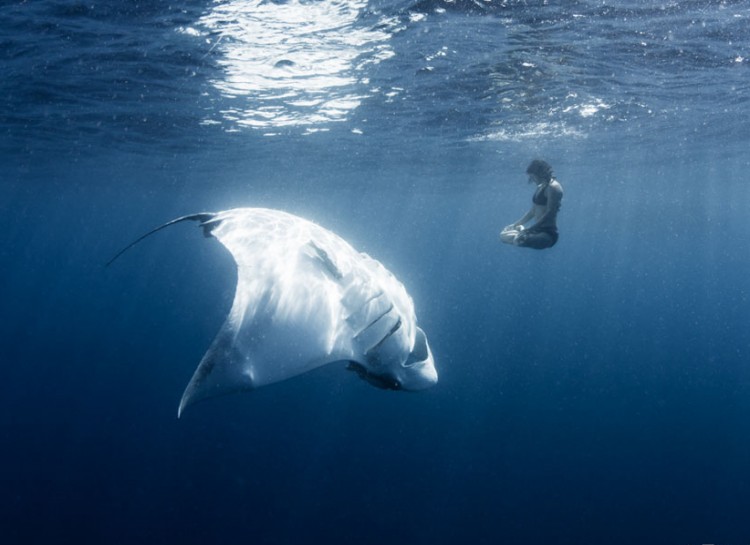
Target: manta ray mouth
384,382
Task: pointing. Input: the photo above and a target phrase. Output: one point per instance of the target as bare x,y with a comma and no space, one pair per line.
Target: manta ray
304,298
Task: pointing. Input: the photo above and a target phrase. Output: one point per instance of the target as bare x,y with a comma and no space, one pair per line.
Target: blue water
595,392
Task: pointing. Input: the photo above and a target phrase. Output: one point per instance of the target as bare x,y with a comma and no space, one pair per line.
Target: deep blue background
596,392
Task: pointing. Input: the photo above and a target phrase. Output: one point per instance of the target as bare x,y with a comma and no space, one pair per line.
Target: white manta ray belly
305,298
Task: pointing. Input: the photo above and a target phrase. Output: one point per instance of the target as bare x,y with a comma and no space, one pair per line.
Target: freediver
545,206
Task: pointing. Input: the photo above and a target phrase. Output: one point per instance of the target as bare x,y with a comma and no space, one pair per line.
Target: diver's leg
538,240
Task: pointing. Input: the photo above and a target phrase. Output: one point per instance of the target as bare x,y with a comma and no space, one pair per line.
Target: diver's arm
526,218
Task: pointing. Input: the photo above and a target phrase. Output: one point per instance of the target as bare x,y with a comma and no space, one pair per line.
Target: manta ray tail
203,217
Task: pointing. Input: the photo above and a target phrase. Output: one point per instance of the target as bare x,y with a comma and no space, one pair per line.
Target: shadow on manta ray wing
304,298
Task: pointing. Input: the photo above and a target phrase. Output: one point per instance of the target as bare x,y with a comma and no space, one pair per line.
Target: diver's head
540,170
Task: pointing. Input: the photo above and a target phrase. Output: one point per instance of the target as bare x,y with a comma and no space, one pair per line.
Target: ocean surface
597,392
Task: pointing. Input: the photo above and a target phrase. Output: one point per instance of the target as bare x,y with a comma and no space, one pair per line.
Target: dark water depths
597,392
